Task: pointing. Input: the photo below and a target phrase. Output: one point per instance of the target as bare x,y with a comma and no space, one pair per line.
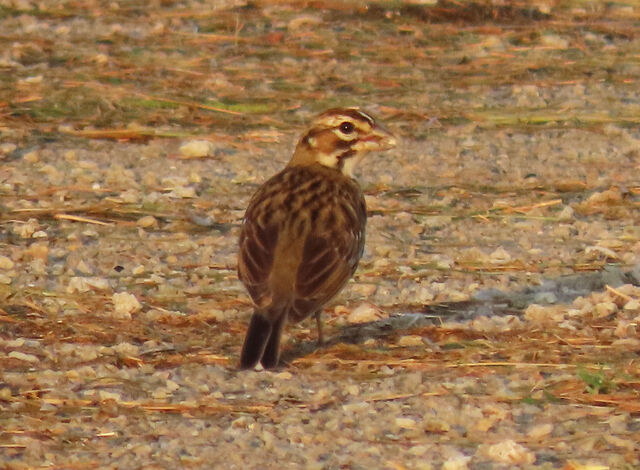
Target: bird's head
339,138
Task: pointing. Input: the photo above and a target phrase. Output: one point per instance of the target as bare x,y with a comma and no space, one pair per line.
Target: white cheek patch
312,141
350,163
328,160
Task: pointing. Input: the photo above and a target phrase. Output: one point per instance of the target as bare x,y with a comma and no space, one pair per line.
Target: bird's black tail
272,350
262,342
255,341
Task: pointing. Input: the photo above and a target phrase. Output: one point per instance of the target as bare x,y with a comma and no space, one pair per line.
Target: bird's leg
319,325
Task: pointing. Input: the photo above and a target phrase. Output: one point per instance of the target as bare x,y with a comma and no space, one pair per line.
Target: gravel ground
492,324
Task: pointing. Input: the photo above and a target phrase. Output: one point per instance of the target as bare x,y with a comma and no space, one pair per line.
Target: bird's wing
329,258
256,251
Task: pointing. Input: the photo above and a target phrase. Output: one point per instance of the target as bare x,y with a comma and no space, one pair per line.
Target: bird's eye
346,127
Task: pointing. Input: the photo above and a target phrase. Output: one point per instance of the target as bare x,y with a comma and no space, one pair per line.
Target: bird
303,231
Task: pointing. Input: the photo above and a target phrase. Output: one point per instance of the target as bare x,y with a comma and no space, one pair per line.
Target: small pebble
363,313
500,256
7,147
410,340
509,452
23,356
6,263
566,214
32,157
197,149
406,423
147,221
124,304
456,463
554,40
540,431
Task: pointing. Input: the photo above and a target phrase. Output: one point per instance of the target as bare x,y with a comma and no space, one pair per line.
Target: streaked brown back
302,239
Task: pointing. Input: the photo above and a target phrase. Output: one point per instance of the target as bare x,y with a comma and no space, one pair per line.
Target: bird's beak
387,139
380,138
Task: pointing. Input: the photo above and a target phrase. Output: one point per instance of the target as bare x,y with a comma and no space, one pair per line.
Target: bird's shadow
489,302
